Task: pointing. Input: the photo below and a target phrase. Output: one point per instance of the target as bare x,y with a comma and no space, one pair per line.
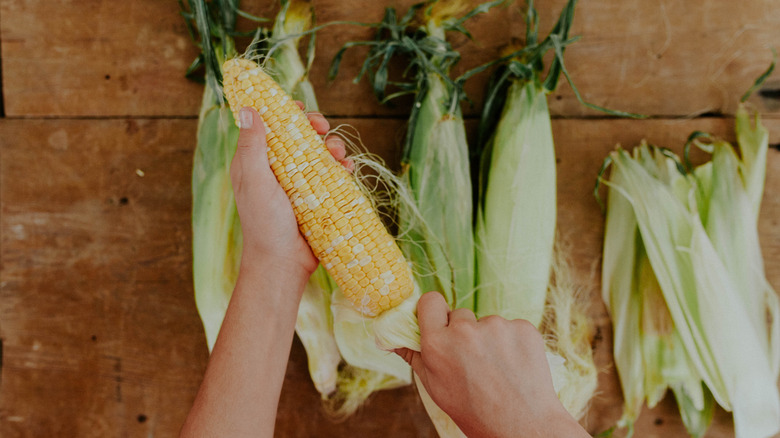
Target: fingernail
245,117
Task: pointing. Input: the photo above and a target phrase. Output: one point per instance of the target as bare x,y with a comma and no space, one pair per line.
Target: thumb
252,150
432,312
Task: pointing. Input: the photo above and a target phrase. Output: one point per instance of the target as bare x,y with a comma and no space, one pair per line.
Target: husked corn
340,225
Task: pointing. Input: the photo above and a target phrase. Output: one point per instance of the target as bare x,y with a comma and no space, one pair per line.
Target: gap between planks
386,117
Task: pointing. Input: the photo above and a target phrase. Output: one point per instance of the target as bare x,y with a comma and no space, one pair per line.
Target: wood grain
100,333
664,58
96,58
98,323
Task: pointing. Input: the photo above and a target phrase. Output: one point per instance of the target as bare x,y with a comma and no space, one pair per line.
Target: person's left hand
267,220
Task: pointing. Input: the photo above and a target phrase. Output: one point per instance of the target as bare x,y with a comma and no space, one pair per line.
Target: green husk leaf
515,224
216,230
314,327
435,234
718,325
761,79
515,227
438,159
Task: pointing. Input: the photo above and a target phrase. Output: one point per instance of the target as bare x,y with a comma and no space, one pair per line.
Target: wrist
552,421
264,264
563,425
292,258
275,282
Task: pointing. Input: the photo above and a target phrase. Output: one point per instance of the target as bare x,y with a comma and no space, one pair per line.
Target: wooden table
100,335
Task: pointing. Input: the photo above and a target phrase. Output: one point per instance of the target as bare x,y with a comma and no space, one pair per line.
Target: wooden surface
100,336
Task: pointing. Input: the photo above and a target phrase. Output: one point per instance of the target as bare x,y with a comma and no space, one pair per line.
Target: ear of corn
344,379
341,226
217,236
438,233
653,357
435,220
436,225
694,229
314,322
520,271
516,220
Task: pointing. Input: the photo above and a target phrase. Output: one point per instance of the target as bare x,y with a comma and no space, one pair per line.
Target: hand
491,375
270,230
257,332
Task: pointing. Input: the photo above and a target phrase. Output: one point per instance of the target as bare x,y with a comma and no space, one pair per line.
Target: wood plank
657,58
638,56
670,58
98,322
86,58
99,328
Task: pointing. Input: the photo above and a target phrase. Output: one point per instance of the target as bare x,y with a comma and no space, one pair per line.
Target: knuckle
334,140
526,329
465,330
523,324
462,312
491,319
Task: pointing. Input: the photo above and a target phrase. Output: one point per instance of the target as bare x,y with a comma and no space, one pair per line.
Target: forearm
243,381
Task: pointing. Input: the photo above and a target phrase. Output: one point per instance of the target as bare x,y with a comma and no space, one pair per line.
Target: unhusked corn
342,228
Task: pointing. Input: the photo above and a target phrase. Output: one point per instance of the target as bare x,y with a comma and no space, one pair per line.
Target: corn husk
521,273
216,230
515,228
217,236
652,355
702,312
437,235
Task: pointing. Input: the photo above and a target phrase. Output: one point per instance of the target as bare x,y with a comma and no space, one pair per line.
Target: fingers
318,122
432,312
348,164
335,144
336,147
465,315
251,152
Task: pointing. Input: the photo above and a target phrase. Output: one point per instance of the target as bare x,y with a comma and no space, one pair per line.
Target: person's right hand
491,375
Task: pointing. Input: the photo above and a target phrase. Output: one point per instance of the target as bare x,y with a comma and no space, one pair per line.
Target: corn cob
340,225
